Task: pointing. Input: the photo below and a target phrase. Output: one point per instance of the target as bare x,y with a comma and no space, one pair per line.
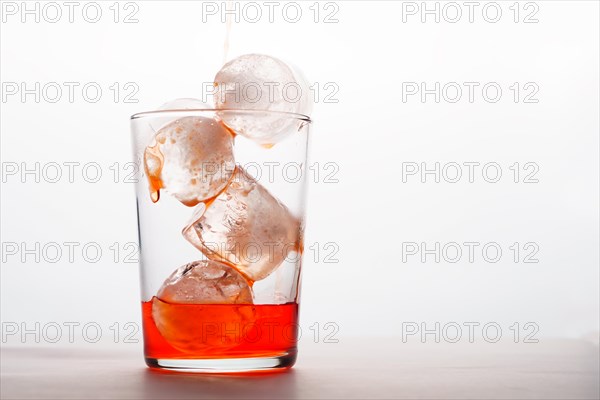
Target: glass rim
157,113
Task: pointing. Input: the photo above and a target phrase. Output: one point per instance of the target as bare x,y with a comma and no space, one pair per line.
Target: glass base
224,365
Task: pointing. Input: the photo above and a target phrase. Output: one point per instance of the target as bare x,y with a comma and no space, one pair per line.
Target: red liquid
219,330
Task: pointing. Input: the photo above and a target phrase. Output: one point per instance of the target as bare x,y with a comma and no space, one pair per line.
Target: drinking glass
258,218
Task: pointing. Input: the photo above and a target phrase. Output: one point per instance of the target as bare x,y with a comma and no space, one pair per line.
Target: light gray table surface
351,369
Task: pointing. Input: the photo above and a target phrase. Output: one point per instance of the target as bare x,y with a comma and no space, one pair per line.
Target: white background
368,133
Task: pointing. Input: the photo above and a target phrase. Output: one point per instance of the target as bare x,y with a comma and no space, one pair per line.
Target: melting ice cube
260,82
197,301
246,226
191,158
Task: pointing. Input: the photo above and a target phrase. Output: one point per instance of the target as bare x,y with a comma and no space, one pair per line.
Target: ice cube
189,309
246,226
191,158
205,282
260,82
177,104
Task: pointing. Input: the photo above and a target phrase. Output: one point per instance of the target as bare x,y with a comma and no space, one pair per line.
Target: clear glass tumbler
221,221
